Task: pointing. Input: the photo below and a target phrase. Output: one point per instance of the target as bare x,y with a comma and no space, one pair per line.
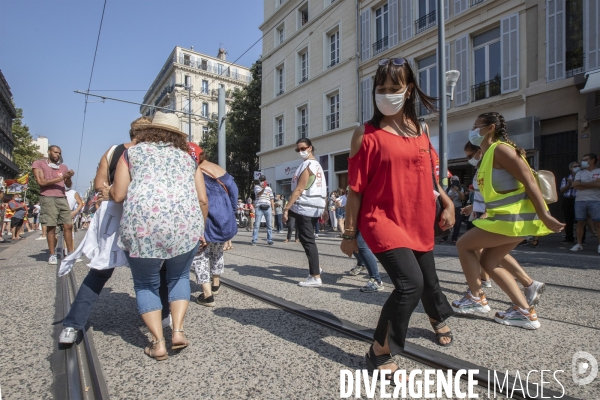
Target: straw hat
167,121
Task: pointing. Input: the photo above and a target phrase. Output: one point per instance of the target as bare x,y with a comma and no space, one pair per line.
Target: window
204,86
185,127
427,15
303,121
334,49
186,59
303,67
204,64
187,80
205,110
280,34
428,78
333,110
381,29
303,15
186,106
204,133
279,81
324,161
220,69
487,63
574,38
279,131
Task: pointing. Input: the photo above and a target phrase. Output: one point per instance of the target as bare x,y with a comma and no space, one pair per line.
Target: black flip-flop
439,325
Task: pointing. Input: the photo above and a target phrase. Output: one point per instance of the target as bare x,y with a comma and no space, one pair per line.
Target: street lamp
189,89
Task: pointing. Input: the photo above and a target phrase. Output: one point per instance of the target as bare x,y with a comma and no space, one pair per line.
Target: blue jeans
146,279
88,293
279,222
365,257
259,213
317,227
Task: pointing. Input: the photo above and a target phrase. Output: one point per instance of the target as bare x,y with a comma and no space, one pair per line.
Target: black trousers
568,207
291,227
415,278
306,234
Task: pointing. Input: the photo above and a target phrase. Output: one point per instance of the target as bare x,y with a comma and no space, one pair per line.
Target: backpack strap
216,179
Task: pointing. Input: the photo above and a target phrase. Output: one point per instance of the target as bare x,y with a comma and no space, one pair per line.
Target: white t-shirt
264,198
36,209
342,200
586,176
313,200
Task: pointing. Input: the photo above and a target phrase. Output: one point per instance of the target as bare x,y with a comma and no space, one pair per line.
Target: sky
47,48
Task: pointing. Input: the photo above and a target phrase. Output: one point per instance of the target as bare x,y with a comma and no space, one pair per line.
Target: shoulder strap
109,157
216,179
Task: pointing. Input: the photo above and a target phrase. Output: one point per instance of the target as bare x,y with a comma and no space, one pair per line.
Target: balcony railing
334,62
487,89
224,71
303,131
204,90
575,63
304,79
162,94
475,2
333,121
426,22
380,45
280,93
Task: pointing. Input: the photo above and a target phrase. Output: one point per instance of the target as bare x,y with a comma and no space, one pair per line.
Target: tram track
77,371
431,358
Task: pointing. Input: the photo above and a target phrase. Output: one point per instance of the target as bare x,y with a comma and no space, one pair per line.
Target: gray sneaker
68,336
53,260
372,286
533,292
357,270
486,284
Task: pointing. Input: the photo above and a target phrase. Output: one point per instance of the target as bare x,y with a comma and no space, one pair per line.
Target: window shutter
555,43
192,61
591,32
393,15
460,6
509,45
365,18
461,45
447,61
366,89
407,21
446,10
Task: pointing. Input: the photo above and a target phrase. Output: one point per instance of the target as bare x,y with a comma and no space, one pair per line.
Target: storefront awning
593,82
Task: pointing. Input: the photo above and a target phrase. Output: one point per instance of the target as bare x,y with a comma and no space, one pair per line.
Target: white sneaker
470,305
320,272
577,247
486,284
168,321
68,336
41,238
517,317
53,260
311,281
316,236
533,292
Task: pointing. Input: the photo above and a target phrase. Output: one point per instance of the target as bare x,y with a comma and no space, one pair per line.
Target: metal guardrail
303,131
380,45
333,121
486,89
426,22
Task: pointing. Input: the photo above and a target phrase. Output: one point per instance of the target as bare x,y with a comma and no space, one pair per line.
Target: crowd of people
163,209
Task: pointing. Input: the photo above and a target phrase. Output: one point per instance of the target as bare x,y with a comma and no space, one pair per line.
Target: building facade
309,87
205,74
42,143
8,169
526,59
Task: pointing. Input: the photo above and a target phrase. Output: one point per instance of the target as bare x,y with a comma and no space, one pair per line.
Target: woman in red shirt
391,202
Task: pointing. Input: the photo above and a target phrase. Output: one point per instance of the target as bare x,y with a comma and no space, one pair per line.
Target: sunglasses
299,149
396,61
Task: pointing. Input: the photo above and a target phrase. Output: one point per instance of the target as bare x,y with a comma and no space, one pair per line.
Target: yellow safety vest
509,214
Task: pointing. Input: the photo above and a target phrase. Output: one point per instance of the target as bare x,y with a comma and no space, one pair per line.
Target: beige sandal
180,345
150,351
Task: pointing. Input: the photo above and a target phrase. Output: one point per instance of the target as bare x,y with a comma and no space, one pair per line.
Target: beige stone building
527,59
205,74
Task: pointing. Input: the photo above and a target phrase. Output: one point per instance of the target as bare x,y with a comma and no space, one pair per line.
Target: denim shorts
582,208
340,213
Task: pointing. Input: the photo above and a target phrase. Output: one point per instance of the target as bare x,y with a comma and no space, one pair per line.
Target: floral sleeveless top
161,213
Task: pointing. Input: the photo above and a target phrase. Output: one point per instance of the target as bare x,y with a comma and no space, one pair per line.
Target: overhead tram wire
88,90
339,3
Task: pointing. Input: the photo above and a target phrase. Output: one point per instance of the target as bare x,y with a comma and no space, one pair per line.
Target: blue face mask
584,164
474,137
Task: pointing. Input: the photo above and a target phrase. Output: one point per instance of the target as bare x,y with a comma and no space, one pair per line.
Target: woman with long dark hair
307,203
515,209
391,202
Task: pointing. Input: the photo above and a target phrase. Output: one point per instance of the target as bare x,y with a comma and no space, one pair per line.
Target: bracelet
346,237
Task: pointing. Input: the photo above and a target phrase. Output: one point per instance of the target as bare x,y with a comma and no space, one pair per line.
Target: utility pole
189,88
221,126
443,135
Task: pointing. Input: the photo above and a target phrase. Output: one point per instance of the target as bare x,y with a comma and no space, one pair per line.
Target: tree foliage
242,131
25,153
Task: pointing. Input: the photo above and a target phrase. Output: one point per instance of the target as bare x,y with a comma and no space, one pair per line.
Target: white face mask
584,164
304,154
576,170
390,104
473,161
474,137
